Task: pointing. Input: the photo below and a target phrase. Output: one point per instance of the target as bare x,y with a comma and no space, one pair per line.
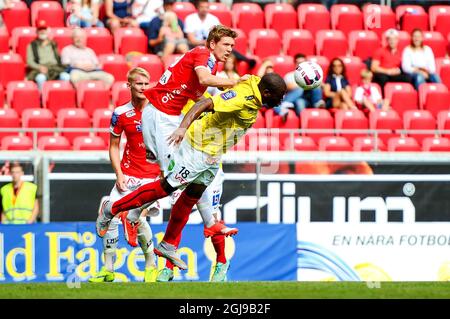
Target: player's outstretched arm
207,79
204,105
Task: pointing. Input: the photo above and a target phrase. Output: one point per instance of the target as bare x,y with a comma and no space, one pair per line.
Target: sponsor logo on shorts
216,199
179,178
171,165
228,95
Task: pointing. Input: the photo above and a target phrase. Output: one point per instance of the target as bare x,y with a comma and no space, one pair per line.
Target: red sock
144,194
168,262
218,242
179,217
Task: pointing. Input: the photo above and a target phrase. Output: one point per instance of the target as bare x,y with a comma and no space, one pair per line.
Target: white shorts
191,166
157,126
134,183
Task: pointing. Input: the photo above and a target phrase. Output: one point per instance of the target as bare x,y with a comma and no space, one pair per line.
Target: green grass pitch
230,290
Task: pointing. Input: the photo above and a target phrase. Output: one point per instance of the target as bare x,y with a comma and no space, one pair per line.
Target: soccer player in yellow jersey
196,161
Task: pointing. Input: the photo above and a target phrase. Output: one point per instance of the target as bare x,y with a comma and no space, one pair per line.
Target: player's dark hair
218,32
197,3
330,67
272,82
299,56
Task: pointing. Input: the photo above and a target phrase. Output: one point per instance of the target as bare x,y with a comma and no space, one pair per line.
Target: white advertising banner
373,251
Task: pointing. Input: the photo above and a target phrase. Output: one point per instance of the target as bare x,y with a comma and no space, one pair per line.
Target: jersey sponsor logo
228,95
114,119
130,113
165,77
170,96
211,64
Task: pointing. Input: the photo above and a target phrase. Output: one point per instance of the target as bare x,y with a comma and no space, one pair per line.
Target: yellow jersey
235,111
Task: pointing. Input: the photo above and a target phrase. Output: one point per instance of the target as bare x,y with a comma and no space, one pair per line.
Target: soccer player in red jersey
132,172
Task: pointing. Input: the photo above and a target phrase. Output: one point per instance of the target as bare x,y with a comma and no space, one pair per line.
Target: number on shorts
184,172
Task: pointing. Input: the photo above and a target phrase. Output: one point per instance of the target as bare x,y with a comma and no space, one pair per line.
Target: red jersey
127,119
388,59
180,81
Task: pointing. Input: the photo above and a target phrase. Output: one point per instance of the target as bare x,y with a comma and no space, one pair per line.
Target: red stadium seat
92,95
120,93
419,120
436,144
351,119
57,95
38,118
50,11
264,42
183,9
443,69
2,95
221,11
353,67
283,64
273,120
54,143
331,43
440,19
73,118
260,121
280,17
363,43
368,144
18,15
21,95
100,40
89,143
298,41
151,62
443,122
20,38
130,40
313,17
346,18
403,144
171,59
402,96
316,119
9,119
17,143
334,143
410,17
434,97
300,143
114,64
4,40
436,42
323,61
12,68
247,16
385,120
378,18
241,42
102,119
62,36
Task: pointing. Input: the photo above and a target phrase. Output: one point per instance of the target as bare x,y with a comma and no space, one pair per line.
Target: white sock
110,244
146,242
206,210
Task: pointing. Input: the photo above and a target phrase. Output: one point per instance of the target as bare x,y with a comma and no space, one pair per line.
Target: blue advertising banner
69,252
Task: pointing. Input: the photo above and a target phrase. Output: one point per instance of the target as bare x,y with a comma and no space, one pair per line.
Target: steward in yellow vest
18,199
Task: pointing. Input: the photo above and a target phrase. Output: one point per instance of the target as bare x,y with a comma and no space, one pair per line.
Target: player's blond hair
131,75
218,32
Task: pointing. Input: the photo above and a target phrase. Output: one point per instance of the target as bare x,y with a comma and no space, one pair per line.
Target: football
308,75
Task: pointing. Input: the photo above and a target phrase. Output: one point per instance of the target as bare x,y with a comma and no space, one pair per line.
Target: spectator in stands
387,61
154,34
118,14
174,40
145,10
418,61
367,96
43,60
296,98
82,61
336,88
85,14
18,199
198,24
229,71
265,68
